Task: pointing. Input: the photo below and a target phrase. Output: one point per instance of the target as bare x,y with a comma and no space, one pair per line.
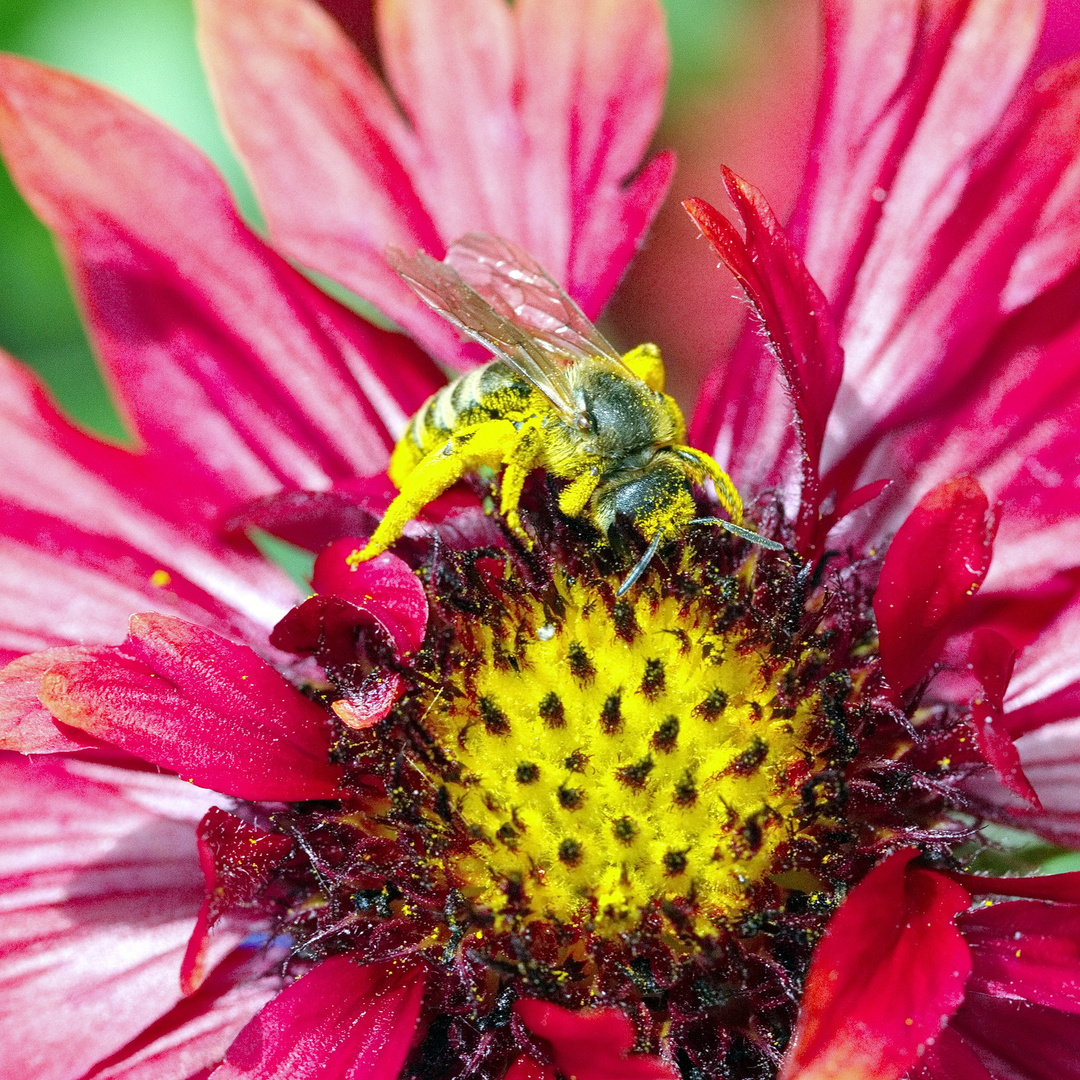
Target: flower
482,811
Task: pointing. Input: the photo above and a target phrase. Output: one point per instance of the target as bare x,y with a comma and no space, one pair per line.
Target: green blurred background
146,50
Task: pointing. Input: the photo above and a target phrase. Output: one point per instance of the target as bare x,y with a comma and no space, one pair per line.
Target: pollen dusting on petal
602,772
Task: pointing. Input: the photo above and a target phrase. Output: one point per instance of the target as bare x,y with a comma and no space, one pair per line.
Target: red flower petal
935,563
100,891
385,586
885,978
524,122
527,1069
1020,1040
188,700
339,1022
223,353
236,859
950,1058
371,701
794,316
592,1044
1026,951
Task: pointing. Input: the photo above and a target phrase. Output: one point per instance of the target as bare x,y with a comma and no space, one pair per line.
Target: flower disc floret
608,756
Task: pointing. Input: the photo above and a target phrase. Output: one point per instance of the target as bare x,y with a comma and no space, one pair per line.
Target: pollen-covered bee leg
520,461
439,470
726,491
647,364
576,495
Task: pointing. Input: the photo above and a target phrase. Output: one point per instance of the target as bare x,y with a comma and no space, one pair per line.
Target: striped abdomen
485,393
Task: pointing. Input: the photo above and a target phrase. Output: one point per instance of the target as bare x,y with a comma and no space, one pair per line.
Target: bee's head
657,497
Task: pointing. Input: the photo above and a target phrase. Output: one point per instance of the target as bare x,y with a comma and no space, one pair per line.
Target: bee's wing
520,290
441,287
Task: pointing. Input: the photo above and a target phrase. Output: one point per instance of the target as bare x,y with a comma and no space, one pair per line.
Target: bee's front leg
704,466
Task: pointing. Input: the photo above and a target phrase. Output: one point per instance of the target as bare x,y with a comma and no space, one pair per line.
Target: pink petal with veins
552,105
101,884
90,524
225,357
193,1036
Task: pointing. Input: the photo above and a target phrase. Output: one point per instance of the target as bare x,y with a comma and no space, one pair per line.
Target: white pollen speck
546,632
878,194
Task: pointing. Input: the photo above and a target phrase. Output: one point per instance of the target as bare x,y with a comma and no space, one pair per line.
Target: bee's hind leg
437,471
520,461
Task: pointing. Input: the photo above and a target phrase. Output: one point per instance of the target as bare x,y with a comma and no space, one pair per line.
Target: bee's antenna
738,530
642,564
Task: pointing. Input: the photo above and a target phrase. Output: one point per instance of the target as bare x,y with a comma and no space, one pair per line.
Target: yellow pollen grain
600,771
160,578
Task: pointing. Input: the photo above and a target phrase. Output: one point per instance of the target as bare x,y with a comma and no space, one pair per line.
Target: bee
556,397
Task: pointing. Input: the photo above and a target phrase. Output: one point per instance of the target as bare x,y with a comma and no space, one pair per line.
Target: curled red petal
341,1021
885,978
794,316
384,586
371,701
934,565
236,859
326,627
1063,888
991,658
592,1044
186,699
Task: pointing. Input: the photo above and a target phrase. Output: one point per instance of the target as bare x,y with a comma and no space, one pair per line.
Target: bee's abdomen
485,393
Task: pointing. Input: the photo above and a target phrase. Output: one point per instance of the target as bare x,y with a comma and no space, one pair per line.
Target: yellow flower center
607,758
